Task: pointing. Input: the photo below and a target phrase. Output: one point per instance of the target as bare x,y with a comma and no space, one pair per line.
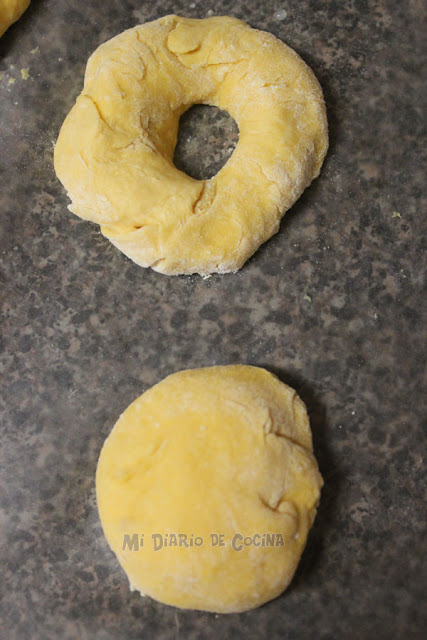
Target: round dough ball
114,154
220,451
10,11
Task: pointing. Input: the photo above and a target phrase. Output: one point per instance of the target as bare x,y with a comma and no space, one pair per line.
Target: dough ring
220,451
10,11
114,154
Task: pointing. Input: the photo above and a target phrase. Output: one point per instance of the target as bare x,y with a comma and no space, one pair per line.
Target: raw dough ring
221,450
10,11
114,153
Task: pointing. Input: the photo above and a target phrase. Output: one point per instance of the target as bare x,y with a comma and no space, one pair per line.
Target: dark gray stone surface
333,304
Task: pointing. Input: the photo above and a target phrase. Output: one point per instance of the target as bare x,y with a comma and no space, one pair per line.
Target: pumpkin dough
10,11
114,154
215,451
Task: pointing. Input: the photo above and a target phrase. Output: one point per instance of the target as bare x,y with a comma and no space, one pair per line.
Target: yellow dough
10,11
204,453
114,154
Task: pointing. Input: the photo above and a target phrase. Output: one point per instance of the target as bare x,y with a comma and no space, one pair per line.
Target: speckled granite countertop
332,304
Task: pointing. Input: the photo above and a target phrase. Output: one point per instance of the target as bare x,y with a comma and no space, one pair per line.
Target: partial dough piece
114,154
10,11
221,450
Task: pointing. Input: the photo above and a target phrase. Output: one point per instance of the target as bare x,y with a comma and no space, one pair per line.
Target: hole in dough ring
114,154
207,452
